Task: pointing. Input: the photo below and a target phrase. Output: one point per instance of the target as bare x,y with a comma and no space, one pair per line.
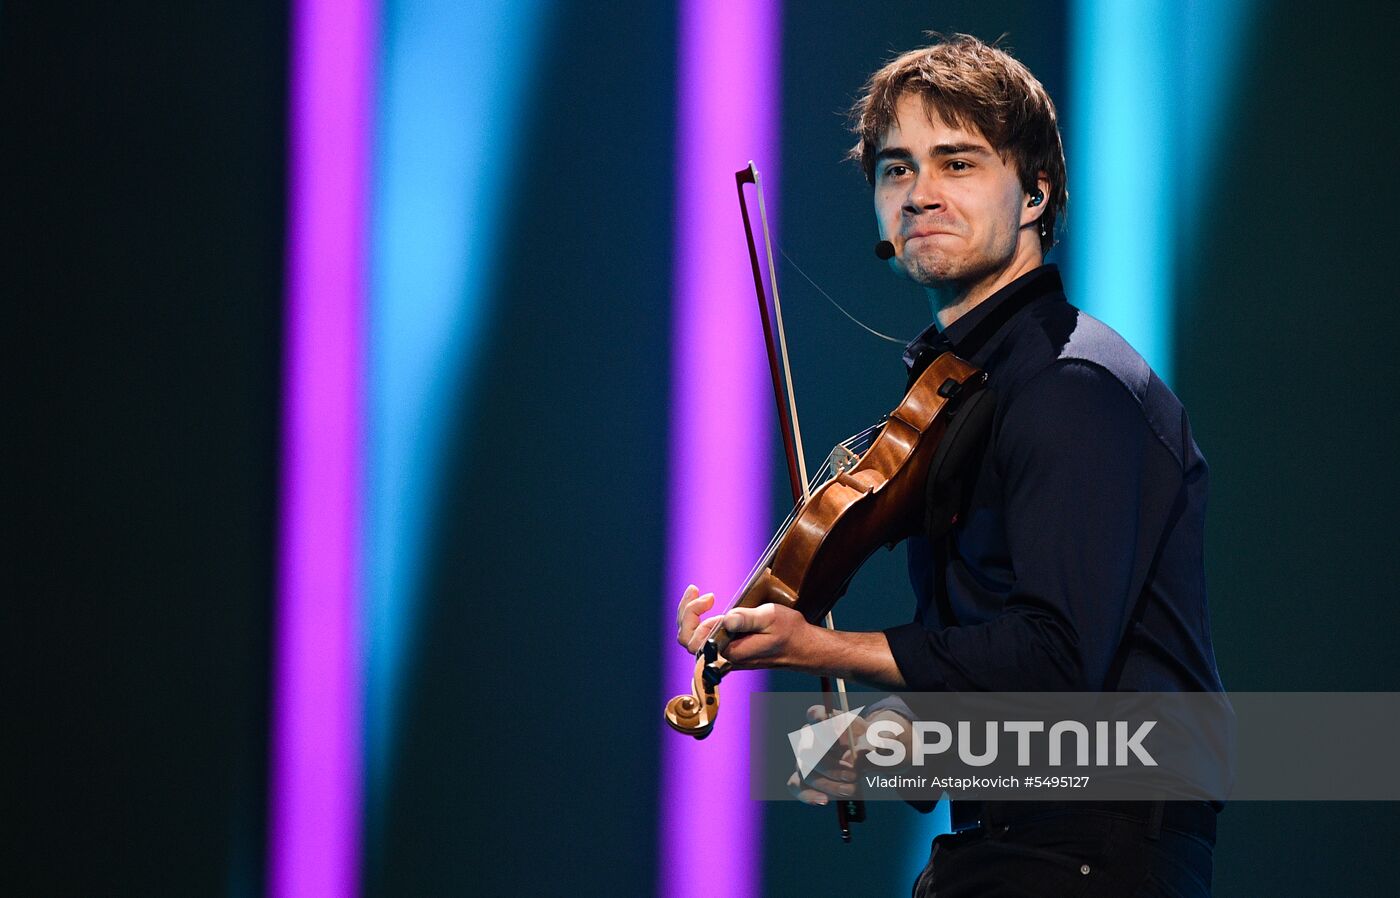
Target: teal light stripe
1150,82
921,833
1213,49
453,84
1123,175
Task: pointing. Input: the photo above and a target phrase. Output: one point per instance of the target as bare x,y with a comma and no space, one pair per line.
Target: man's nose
924,195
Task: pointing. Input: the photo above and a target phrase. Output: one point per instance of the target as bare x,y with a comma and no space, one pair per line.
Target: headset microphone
884,250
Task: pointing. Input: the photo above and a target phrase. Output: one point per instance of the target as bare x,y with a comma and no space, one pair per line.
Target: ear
1031,210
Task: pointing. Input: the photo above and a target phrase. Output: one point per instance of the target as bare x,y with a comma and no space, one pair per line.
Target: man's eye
896,171
959,165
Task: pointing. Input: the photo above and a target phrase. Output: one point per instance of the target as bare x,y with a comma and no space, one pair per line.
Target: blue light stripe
453,81
1122,173
1150,80
1213,49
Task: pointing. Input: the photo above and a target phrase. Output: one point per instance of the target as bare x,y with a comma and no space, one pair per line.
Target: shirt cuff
899,706
890,703
909,647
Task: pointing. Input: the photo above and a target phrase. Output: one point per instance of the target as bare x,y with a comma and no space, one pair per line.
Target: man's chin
941,270
933,270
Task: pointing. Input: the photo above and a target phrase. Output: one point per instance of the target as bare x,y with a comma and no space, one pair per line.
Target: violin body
878,501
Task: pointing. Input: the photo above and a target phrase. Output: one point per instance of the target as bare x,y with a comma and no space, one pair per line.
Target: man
1076,561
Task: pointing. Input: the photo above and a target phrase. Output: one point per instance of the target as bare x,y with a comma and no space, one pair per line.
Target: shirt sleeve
1072,451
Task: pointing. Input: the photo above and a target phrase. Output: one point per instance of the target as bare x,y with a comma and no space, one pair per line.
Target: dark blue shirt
1077,562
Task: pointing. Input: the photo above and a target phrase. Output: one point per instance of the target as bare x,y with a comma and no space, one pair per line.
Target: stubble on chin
936,269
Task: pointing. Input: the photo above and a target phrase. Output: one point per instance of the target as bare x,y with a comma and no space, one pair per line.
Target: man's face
950,205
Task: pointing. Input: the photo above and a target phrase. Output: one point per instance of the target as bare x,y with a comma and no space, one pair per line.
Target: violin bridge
842,460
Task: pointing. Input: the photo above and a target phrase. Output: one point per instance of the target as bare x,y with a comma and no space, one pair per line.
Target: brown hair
971,83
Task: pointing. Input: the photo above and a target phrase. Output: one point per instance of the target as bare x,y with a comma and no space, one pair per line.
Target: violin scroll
694,714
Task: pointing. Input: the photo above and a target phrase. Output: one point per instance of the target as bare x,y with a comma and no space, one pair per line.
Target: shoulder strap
956,460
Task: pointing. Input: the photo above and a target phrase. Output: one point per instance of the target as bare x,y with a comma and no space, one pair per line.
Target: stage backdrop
511,736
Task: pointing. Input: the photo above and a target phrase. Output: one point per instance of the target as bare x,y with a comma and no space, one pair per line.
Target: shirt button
1084,869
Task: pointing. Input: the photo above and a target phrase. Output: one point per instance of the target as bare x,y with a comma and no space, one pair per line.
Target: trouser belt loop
1154,819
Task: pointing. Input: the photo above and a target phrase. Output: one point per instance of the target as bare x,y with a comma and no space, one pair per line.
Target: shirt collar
974,328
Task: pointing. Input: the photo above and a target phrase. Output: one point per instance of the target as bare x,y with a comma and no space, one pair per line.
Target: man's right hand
835,775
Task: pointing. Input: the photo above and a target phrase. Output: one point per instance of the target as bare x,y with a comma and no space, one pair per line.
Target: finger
816,714
803,794
690,616
749,620
839,769
702,632
854,758
828,786
696,605
691,592
691,605
685,600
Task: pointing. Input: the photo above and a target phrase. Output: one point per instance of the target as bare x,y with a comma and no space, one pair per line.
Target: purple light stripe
314,805
722,421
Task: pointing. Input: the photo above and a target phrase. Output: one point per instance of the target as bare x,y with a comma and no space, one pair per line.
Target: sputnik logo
811,743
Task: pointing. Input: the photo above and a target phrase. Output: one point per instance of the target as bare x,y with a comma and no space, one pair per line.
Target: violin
871,492
873,498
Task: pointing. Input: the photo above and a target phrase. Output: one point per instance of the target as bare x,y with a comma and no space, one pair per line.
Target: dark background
141,152
142,156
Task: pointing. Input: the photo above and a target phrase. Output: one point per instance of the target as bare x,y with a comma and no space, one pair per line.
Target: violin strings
850,443
764,559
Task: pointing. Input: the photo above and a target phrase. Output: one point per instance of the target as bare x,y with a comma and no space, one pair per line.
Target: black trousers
1080,853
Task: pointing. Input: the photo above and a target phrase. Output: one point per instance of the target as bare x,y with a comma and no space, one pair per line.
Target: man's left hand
771,636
